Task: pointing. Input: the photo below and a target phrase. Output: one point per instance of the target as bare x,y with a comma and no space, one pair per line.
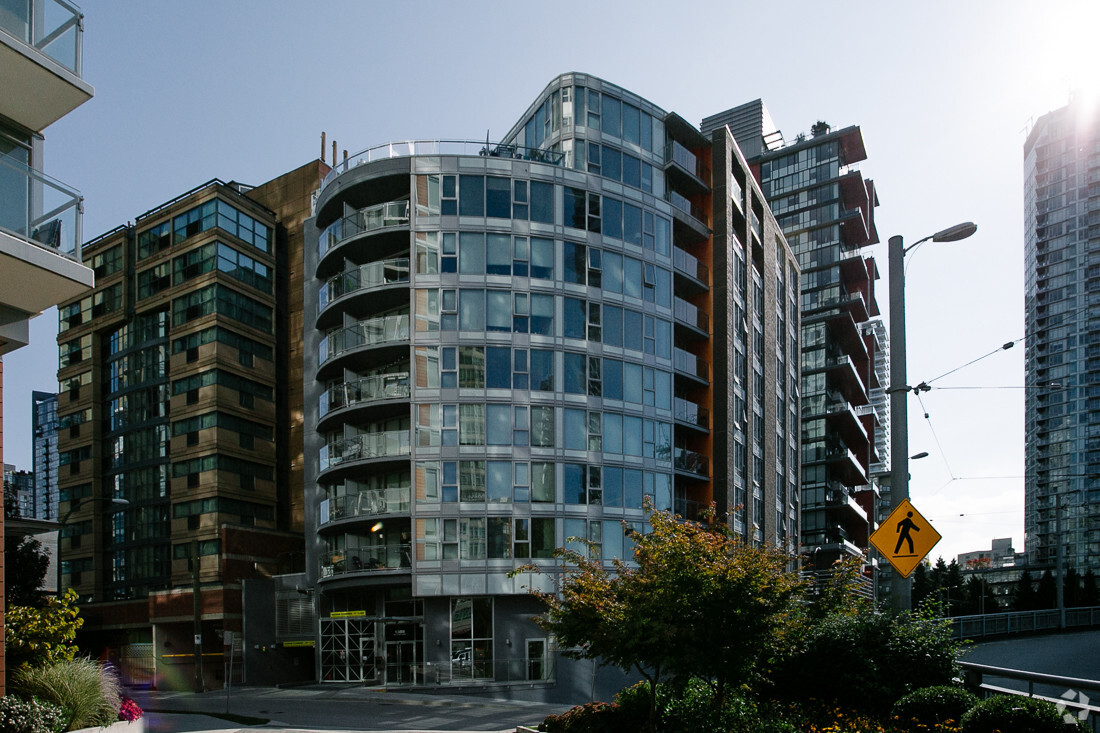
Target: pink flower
129,710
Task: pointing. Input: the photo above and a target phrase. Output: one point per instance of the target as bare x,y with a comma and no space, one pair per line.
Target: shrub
30,716
37,637
87,692
873,659
592,717
1017,714
933,705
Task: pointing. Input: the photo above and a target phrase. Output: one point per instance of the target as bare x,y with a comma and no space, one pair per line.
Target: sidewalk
334,708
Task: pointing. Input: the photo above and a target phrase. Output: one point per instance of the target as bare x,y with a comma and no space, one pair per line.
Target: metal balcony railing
443,147
370,503
369,445
52,27
687,313
364,277
367,558
39,209
690,266
688,363
684,204
388,329
372,218
365,390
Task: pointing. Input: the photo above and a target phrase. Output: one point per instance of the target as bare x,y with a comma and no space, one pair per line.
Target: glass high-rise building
44,427
509,347
1062,250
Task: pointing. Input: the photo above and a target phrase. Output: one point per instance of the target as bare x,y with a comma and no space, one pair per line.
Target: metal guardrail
53,27
1022,622
1075,699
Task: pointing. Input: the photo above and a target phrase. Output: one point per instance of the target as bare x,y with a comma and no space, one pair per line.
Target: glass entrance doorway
402,649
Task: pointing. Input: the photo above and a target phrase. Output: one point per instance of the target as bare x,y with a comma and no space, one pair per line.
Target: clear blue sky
943,90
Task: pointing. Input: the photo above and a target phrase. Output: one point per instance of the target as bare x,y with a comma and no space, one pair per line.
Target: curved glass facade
511,353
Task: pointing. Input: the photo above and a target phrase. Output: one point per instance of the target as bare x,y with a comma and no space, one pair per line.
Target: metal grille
293,616
347,650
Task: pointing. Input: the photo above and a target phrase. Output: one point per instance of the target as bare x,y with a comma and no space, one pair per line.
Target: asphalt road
331,708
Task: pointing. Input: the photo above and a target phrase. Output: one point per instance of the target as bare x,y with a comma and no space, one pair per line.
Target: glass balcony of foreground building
689,413
690,365
691,462
371,219
691,316
363,279
51,27
410,148
38,209
357,554
697,216
696,272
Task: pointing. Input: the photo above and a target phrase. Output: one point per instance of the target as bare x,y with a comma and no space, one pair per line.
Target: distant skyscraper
20,486
1062,229
44,428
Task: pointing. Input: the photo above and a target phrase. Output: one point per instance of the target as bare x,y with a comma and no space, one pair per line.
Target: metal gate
136,665
347,650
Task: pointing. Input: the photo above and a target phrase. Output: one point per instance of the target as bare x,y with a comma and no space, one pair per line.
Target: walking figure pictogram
906,526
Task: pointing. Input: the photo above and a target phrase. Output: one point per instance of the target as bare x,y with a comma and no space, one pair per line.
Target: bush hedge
1017,714
933,705
30,716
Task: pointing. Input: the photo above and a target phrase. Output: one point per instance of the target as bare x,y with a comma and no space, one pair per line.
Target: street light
899,389
64,521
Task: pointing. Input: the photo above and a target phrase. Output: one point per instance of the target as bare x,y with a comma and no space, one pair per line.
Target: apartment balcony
368,559
392,444
688,413
386,331
365,391
348,233
685,170
367,504
689,315
686,212
690,365
362,288
691,463
39,248
696,272
40,61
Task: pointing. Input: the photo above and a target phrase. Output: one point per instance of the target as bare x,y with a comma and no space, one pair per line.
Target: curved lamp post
899,389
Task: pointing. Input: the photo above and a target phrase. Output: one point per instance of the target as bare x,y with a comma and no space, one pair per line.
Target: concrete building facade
40,261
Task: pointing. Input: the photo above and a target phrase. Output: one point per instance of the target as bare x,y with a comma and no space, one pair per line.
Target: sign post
905,538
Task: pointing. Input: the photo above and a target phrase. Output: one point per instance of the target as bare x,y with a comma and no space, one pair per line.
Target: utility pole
200,683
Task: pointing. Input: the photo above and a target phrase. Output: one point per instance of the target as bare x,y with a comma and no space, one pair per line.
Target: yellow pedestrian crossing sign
905,538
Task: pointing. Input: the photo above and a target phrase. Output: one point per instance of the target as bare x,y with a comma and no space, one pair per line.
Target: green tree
40,636
1071,588
695,603
922,585
25,566
1023,595
1089,594
1046,595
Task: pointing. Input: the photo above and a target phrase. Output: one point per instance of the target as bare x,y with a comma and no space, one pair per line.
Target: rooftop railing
443,147
53,27
39,209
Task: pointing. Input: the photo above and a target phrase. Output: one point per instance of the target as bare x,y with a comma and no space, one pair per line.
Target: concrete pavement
336,708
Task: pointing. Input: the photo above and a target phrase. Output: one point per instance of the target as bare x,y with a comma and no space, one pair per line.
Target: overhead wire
939,445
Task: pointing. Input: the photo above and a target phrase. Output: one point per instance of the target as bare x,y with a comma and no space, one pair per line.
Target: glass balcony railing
364,277
690,266
443,147
688,363
689,412
52,27
684,204
365,390
385,330
370,503
380,216
368,445
687,313
692,462
39,209
368,558
687,160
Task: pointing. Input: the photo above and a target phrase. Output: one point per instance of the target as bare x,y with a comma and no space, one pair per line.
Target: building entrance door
401,663
347,650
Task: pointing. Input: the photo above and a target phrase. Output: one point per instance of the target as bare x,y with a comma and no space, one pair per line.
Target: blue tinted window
632,225
575,490
631,124
471,253
632,330
632,171
612,379
612,486
575,321
542,370
574,207
575,264
632,484
612,218
498,367
498,480
498,197
612,114
576,430
613,326
612,164
498,425
471,195
575,382
542,202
